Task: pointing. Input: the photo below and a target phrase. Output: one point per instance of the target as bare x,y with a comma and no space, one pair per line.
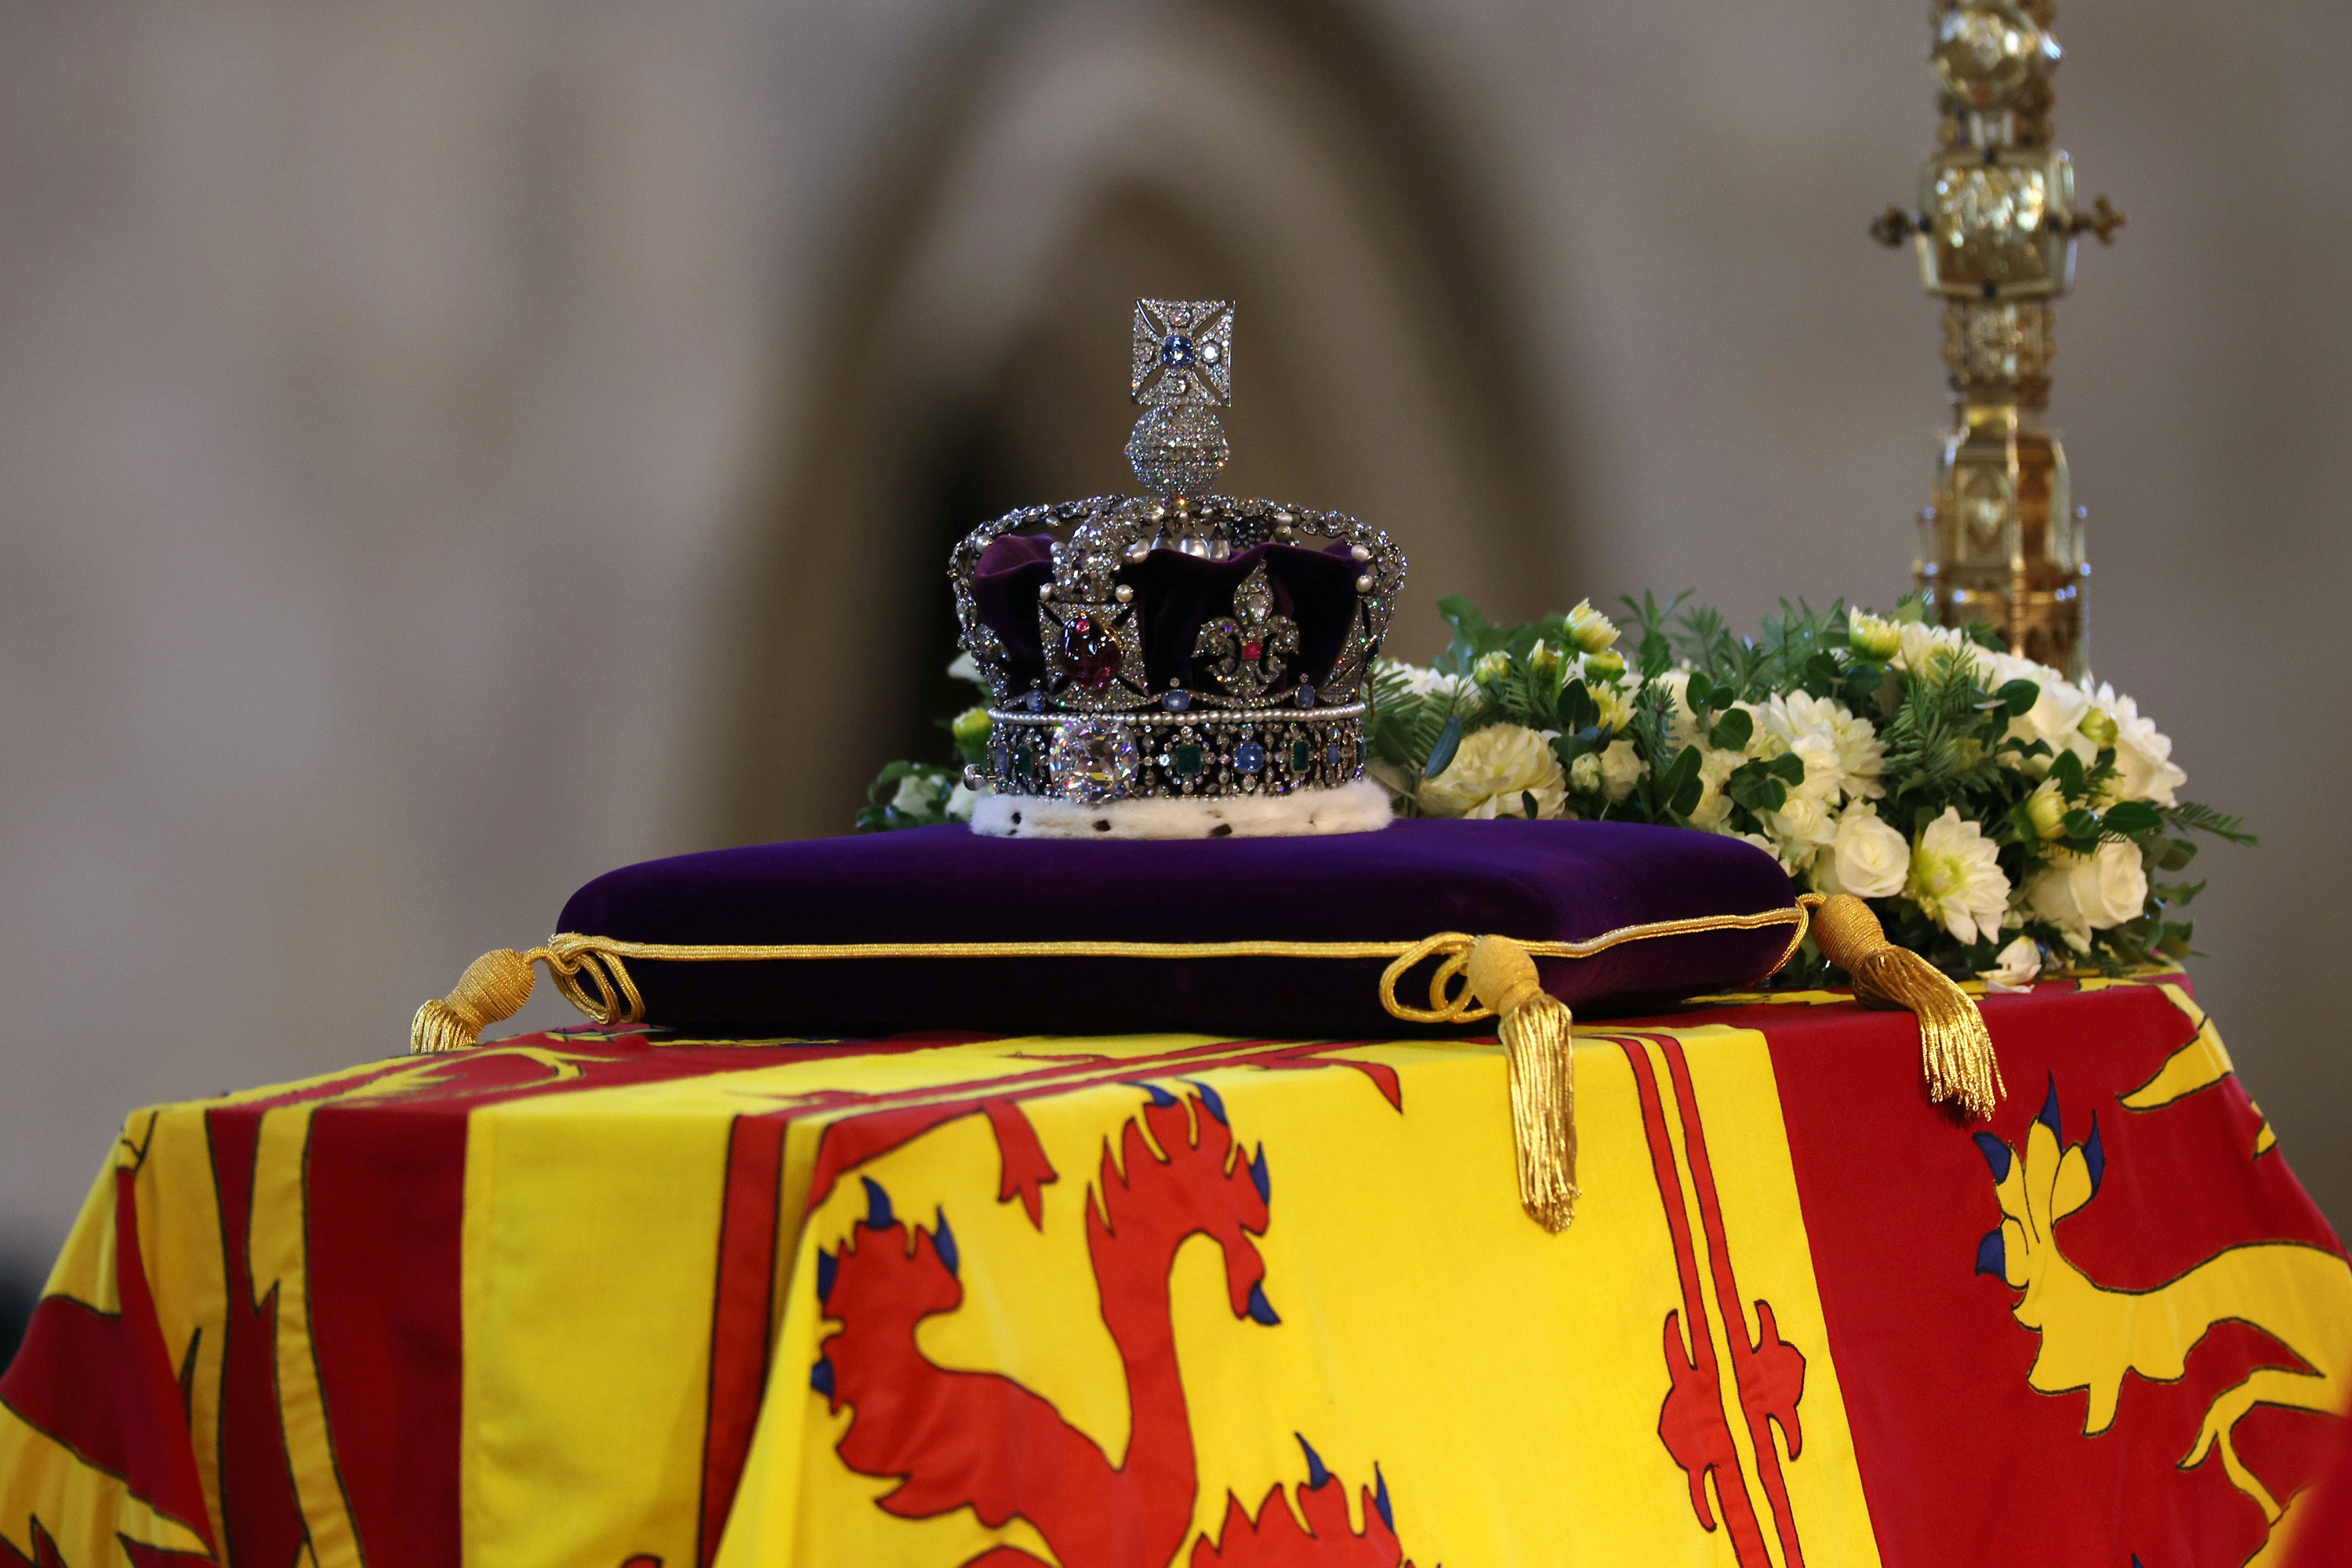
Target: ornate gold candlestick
1995,229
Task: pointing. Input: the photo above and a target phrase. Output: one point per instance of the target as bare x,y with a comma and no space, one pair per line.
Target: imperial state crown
1177,664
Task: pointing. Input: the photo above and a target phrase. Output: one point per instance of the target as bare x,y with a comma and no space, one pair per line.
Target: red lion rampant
983,1441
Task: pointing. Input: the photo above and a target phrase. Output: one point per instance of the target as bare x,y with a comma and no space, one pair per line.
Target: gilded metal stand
1995,228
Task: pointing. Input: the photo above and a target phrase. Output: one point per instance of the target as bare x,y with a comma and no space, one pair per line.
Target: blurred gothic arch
1066,159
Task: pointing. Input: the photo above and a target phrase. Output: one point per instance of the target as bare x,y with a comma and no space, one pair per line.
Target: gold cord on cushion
495,985
1956,1053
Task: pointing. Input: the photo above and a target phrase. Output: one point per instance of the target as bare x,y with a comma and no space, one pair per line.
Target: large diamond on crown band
1094,761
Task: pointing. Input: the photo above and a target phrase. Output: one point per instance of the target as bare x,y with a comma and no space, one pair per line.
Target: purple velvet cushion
1534,880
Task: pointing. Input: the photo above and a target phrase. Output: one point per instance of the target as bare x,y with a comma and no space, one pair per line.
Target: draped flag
628,1302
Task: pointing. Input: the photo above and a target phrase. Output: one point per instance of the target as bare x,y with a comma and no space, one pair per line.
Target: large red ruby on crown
1089,653
1253,649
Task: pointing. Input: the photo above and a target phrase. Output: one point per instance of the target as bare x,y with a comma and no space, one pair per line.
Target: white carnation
1842,755
1867,858
1420,681
1956,878
1922,646
2082,893
1493,772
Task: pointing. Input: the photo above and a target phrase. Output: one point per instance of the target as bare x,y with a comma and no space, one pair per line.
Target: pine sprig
2203,819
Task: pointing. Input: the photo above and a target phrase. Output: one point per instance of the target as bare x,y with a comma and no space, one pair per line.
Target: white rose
1621,770
1800,822
2055,715
916,795
960,800
2144,765
1867,858
2082,893
2015,966
1493,772
1956,878
962,668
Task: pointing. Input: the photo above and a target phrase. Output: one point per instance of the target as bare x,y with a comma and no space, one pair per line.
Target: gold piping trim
590,973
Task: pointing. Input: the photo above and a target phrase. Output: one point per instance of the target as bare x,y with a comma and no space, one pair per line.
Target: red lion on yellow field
983,1441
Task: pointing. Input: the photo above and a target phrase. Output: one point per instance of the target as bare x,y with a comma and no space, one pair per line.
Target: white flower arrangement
2001,819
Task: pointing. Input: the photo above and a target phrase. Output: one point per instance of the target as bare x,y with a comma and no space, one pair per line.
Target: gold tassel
1539,1049
492,990
1956,1053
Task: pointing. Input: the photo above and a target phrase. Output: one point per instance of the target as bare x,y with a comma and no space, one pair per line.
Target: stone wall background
446,450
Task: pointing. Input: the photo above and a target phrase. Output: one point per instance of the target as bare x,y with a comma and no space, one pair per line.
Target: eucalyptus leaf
2067,769
1441,755
2019,697
1578,711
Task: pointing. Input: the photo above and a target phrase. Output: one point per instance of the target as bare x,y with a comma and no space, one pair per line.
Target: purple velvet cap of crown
1176,594
1534,880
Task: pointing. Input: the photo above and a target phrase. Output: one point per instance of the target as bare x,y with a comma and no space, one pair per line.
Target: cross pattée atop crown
1178,643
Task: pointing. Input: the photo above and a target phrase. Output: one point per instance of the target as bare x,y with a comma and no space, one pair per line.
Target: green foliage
908,794
1683,721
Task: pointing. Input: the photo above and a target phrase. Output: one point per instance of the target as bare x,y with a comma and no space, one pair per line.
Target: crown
1179,663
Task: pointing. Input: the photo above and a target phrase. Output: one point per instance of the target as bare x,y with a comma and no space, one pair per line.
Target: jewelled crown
1178,646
